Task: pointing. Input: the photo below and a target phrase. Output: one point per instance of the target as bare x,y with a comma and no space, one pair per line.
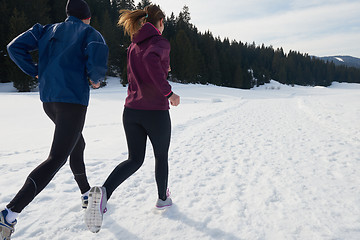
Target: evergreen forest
196,57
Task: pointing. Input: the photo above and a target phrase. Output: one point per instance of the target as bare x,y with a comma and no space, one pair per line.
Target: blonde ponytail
132,21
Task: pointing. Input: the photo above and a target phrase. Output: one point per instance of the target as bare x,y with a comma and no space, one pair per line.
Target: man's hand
174,100
95,86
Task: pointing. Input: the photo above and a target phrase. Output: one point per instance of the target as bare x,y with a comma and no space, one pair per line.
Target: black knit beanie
78,8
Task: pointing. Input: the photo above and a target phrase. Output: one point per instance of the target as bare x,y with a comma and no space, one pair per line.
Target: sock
86,194
11,216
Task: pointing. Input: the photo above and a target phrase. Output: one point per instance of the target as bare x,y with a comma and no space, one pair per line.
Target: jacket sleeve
96,53
19,49
155,61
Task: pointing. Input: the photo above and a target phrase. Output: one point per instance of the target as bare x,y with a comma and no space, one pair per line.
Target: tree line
196,57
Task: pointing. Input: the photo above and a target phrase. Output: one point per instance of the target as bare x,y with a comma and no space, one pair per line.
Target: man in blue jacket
70,52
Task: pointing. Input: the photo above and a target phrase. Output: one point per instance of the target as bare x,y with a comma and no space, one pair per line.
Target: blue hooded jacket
69,53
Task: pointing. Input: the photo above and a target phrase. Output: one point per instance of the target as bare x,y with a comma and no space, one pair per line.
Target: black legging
139,124
68,141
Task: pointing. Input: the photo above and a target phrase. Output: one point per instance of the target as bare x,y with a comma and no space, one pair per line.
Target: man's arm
19,49
96,52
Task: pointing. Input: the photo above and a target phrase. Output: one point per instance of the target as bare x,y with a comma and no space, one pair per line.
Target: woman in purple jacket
146,112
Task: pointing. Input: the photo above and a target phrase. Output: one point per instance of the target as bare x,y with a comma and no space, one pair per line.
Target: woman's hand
174,100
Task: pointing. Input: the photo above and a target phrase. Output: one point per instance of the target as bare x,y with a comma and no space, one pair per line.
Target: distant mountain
343,60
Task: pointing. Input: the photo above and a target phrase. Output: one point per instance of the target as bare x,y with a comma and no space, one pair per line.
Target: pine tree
238,81
4,29
185,15
124,4
170,27
37,11
207,46
181,57
225,61
109,32
57,10
22,82
143,3
282,75
277,62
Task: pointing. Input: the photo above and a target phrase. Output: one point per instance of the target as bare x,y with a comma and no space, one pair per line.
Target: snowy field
275,162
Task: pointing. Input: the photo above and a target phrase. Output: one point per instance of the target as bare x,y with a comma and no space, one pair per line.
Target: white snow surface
339,59
273,162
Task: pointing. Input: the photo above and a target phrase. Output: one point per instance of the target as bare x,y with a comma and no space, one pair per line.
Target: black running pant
138,125
68,141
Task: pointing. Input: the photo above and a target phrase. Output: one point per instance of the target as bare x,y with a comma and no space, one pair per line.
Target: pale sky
316,27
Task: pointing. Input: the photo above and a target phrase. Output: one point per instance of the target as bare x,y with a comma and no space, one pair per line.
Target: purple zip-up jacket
148,60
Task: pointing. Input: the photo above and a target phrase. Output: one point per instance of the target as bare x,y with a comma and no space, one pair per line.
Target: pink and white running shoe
96,208
163,204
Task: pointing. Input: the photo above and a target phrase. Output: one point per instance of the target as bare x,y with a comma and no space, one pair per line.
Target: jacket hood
146,31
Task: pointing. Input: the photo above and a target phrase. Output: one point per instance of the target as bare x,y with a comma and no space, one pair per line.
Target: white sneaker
96,208
162,204
6,229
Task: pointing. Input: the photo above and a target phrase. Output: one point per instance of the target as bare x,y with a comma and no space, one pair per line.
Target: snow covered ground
275,162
